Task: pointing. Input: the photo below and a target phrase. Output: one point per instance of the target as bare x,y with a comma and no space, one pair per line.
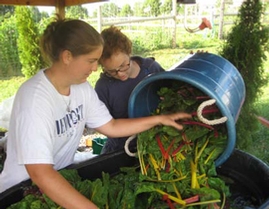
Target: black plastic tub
248,180
247,176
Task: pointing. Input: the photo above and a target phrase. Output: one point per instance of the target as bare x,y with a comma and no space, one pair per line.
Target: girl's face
118,66
82,66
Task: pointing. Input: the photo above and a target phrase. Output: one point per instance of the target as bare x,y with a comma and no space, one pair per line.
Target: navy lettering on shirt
69,120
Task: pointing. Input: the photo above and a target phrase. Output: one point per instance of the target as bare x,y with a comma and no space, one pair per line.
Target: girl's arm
57,188
127,127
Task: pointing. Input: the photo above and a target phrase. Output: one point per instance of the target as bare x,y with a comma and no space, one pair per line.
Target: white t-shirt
42,131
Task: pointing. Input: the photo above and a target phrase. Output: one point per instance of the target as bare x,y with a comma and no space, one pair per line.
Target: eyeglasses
120,69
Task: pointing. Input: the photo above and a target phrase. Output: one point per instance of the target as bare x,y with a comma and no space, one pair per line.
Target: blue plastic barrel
211,74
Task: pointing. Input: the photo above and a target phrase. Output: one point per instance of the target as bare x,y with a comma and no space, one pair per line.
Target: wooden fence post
99,19
174,4
221,19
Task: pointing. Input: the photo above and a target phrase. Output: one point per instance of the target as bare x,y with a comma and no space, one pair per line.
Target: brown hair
115,41
76,36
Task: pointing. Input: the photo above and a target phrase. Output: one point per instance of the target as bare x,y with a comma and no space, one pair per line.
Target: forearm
128,127
57,188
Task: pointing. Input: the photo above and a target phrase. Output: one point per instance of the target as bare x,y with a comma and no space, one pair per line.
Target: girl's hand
173,119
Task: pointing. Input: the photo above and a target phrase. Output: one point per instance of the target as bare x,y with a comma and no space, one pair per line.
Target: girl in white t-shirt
52,108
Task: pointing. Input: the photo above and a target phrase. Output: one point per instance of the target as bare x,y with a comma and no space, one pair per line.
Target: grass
260,146
9,86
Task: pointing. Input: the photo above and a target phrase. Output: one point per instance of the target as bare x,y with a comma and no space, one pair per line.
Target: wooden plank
79,2
47,2
28,2
58,4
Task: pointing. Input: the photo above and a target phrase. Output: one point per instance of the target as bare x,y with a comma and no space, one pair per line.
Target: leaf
171,131
71,175
207,194
99,193
219,184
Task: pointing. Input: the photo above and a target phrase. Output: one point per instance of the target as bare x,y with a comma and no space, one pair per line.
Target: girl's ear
66,57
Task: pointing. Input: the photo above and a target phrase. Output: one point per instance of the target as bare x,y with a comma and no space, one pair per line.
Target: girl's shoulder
148,64
143,62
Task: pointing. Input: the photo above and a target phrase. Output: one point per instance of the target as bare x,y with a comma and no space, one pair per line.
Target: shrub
246,47
28,41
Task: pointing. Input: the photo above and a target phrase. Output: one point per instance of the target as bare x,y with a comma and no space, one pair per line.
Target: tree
245,47
180,9
138,9
110,10
9,57
6,12
28,41
126,11
167,7
4,9
76,12
36,14
153,6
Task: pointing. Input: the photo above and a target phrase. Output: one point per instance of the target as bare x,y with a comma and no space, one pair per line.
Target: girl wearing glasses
51,110
121,73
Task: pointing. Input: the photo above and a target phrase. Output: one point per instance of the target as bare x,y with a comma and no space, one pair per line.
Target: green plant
28,41
77,12
9,57
245,47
